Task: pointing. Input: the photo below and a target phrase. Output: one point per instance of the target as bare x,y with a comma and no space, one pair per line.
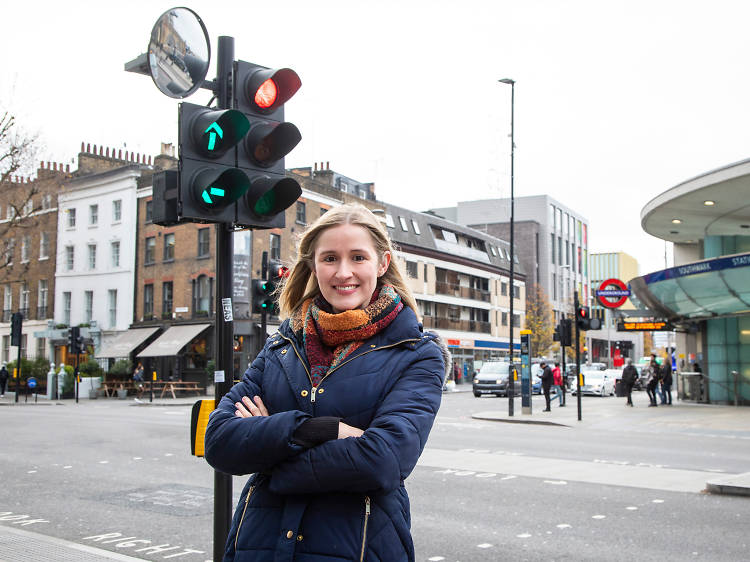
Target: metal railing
454,290
694,387
440,322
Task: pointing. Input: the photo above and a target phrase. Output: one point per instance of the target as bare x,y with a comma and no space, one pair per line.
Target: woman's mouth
345,288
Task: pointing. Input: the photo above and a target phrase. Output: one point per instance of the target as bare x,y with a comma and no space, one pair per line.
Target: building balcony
6,315
41,312
461,291
439,322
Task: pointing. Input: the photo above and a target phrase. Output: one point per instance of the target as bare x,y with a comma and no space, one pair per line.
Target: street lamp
511,381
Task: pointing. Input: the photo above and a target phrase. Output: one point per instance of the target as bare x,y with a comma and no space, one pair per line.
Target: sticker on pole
614,297
226,306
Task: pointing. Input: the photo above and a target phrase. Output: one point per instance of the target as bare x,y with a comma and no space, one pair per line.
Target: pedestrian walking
557,380
138,381
547,380
332,415
4,374
652,381
666,383
629,376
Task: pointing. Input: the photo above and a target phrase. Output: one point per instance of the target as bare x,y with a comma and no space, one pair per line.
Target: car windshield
495,368
589,376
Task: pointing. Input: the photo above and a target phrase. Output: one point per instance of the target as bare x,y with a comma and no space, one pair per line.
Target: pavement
704,420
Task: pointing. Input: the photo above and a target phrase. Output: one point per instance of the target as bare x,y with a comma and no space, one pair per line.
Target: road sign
619,293
31,382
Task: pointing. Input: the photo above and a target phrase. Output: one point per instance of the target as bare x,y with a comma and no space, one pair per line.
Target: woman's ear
385,262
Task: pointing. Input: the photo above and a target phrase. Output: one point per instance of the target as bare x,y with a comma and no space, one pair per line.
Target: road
116,476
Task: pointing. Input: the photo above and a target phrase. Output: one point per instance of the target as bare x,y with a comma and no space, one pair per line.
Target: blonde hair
301,284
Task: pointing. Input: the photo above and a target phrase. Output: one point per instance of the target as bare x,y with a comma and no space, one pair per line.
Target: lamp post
511,371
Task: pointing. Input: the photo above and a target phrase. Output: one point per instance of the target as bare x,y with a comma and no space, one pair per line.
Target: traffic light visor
267,143
269,196
215,132
267,89
214,190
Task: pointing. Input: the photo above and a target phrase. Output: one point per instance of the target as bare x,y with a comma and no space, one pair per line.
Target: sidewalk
704,420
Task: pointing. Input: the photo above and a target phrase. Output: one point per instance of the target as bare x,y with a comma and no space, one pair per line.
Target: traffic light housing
585,321
16,325
74,340
566,335
260,94
262,296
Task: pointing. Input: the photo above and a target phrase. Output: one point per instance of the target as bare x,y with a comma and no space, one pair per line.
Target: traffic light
566,329
260,94
209,181
16,324
74,338
585,321
262,296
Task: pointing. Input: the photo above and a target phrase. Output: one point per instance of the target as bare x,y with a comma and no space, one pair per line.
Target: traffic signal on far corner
74,339
262,296
566,329
585,321
260,94
16,329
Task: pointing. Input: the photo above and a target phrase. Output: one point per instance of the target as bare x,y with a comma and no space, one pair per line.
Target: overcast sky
615,101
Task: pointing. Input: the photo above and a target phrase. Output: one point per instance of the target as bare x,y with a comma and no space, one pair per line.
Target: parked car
492,378
598,383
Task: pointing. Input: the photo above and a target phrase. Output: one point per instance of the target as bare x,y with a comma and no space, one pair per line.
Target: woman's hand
348,431
250,408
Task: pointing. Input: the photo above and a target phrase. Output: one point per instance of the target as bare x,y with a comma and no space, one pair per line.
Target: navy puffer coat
343,499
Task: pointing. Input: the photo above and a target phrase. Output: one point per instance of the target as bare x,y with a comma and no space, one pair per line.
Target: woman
334,412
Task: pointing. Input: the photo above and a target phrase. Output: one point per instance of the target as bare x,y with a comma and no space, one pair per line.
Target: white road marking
509,477
168,454
465,473
523,536
563,526
598,517
556,482
484,545
436,558
103,462
137,458
68,466
657,501
486,475
631,508
31,472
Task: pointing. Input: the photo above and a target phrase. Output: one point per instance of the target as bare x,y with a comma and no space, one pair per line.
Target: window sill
148,264
43,258
300,223
203,257
170,260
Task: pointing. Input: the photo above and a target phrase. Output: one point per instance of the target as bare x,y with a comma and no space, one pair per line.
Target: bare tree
539,319
17,153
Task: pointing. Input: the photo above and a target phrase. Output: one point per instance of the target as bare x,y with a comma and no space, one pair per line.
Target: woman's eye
329,259
359,258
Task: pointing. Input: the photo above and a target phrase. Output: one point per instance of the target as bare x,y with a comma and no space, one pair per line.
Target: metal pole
562,348
224,328
511,373
18,373
578,355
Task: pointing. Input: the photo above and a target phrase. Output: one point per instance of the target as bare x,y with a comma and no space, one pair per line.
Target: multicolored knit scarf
329,338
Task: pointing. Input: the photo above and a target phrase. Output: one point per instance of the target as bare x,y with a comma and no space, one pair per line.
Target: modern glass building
707,293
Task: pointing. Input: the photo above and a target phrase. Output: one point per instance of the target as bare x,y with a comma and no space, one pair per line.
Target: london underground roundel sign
612,293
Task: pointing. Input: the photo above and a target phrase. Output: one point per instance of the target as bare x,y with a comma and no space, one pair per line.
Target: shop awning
126,342
173,340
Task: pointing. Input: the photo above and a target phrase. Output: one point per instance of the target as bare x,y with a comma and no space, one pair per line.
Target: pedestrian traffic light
209,181
566,332
260,94
16,325
74,336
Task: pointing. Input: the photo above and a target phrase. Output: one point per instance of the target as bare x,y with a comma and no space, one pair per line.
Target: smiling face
347,266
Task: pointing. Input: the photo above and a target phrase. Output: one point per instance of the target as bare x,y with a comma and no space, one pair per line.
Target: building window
10,250
46,201
516,292
43,246
149,210
24,299
517,321
148,301
88,310
41,300
323,211
117,210
301,213
69,257
6,349
24,341
275,253
41,348
93,215
92,256
169,247
426,308
554,287
492,250
112,308
149,255
505,319
415,226
115,248
25,247
66,307
71,218
389,221
204,240
28,207
504,288
202,295
402,221
166,299
552,249
411,269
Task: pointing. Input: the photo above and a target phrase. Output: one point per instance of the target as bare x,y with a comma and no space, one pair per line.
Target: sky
615,101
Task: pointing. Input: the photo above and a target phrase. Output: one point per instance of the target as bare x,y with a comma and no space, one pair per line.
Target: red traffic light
266,89
266,95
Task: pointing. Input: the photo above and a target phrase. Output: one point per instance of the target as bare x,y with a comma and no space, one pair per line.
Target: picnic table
186,386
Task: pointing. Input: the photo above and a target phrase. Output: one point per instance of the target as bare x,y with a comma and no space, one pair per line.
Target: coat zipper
239,525
364,531
314,387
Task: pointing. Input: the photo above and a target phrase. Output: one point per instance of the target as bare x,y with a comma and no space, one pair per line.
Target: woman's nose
344,270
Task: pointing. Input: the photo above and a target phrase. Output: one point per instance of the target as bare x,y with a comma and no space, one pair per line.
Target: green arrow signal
206,195
214,129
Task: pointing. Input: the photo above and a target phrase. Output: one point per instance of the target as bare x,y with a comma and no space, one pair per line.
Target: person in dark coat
547,380
666,383
629,376
332,416
653,380
4,374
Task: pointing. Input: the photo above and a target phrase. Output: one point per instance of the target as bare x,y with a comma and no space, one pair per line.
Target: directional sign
650,326
619,293
213,130
31,382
